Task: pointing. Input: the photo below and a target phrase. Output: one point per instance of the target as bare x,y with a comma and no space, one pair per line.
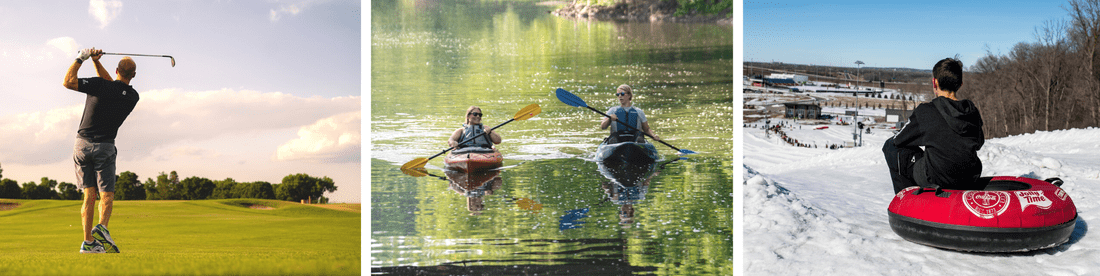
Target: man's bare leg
87,212
106,205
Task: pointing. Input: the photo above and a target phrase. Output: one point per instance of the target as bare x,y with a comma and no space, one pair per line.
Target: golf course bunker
258,206
4,206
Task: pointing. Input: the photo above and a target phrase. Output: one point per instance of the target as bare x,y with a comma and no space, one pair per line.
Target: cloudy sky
260,90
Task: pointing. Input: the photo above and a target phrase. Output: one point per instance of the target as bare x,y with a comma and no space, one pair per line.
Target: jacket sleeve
911,134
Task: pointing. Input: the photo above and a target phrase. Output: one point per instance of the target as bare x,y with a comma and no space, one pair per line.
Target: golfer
108,104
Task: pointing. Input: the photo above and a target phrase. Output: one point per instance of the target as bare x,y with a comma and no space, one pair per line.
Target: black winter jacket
951,133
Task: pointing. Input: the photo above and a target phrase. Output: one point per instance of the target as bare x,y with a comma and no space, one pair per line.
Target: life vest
482,141
623,133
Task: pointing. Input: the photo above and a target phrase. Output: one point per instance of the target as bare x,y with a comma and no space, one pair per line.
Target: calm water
550,210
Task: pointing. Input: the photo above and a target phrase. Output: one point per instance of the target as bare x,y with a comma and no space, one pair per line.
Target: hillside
820,211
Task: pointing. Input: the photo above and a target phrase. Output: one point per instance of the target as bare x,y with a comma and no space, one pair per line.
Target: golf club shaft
143,55
139,55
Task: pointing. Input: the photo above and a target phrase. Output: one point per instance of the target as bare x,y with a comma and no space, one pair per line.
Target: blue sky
260,90
913,34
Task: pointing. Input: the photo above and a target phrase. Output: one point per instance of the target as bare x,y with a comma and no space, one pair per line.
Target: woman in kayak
473,128
626,112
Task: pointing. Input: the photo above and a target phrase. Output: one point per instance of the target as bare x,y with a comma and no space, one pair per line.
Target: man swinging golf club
108,104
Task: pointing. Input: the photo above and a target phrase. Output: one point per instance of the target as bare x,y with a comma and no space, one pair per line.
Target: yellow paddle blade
528,112
414,172
415,163
528,204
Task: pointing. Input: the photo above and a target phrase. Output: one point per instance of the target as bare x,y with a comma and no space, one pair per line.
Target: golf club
142,55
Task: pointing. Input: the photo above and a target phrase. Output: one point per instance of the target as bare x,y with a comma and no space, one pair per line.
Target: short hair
625,89
948,73
127,68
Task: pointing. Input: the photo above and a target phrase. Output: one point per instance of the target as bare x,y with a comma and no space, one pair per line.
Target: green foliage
150,189
46,190
224,189
10,189
302,186
195,188
704,7
259,189
184,238
128,187
69,191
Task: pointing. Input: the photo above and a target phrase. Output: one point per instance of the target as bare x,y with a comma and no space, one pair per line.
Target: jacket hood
959,115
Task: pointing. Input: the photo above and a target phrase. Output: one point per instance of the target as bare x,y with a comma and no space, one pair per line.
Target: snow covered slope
823,212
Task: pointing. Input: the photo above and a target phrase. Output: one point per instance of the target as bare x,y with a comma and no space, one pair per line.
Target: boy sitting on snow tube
949,129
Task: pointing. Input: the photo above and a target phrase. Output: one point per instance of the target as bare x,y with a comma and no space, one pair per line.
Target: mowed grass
206,237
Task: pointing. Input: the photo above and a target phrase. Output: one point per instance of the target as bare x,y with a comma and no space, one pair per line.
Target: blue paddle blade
569,98
572,219
686,151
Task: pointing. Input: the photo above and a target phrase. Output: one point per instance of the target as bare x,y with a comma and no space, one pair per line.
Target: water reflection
628,185
474,186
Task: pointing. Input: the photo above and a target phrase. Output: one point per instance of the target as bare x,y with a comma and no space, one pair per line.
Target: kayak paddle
523,114
573,100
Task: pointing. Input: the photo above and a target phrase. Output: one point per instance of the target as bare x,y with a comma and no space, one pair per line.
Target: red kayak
473,159
1009,214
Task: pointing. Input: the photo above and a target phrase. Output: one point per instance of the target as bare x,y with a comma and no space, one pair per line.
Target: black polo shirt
107,106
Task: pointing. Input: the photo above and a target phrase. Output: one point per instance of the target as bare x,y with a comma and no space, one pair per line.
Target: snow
823,212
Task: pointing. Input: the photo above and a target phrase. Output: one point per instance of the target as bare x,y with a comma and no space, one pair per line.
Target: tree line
1049,84
168,186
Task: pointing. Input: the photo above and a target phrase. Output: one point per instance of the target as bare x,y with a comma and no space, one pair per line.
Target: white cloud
287,9
332,139
104,11
66,44
165,117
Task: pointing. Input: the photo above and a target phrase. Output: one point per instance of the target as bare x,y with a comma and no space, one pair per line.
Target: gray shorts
95,165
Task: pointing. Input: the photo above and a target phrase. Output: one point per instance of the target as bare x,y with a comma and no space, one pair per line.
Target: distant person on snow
629,114
108,104
473,128
949,129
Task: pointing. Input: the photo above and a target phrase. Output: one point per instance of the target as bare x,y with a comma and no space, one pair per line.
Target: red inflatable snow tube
1010,214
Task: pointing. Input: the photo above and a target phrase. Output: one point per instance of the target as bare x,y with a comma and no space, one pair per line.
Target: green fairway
206,237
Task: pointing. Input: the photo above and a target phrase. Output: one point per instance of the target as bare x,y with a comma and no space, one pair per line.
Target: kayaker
630,115
949,129
473,128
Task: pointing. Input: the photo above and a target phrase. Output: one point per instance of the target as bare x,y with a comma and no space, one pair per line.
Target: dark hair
948,73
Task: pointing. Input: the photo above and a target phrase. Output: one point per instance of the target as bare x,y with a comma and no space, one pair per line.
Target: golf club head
173,61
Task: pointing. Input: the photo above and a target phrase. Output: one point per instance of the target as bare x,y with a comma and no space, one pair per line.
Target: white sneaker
103,236
94,247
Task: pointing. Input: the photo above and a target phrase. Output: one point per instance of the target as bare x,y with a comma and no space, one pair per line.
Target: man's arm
102,72
911,133
71,81
647,130
607,121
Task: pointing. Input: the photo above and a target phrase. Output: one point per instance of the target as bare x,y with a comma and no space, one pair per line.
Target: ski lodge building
802,110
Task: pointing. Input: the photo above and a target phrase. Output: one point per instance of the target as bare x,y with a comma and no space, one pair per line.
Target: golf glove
84,54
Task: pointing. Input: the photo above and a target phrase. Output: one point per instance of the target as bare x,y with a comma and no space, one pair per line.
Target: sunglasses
620,94
474,113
